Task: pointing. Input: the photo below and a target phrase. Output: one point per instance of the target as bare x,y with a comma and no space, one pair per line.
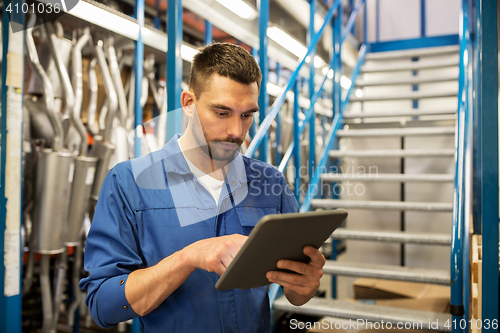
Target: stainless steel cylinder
85,168
103,150
53,188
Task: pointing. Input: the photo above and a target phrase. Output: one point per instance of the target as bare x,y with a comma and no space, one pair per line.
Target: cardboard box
365,288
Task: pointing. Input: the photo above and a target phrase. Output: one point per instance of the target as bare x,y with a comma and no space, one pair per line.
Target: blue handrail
309,112
337,121
264,126
456,259
352,20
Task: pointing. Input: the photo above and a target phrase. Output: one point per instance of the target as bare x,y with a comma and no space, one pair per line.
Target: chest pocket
250,216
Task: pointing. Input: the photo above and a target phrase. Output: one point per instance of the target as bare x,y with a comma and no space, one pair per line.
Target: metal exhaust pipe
110,91
47,86
117,81
92,126
75,305
60,275
46,293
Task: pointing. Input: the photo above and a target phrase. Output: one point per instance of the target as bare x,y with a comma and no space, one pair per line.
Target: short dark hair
225,59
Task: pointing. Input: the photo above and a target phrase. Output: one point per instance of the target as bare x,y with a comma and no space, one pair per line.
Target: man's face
223,115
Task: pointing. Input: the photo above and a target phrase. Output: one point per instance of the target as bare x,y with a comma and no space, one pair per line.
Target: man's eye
222,114
246,115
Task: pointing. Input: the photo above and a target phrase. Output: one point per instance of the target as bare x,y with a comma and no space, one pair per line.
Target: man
168,224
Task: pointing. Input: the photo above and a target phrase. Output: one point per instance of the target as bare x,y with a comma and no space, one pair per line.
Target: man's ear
187,102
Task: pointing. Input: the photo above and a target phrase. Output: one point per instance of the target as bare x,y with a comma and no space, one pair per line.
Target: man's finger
295,266
317,258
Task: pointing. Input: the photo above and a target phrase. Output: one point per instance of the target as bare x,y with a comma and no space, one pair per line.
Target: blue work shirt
153,206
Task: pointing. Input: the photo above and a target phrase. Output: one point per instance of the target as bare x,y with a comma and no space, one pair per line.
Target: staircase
404,107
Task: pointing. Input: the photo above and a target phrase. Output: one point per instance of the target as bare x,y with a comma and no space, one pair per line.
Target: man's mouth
228,146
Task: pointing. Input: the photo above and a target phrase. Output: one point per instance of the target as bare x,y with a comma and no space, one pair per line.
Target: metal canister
55,172
85,169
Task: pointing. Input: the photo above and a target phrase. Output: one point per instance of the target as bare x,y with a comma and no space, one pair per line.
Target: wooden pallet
476,278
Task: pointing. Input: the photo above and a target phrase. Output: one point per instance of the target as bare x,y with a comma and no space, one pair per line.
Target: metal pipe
110,91
92,125
77,293
131,97
61,273
58,138
46,292
77,82
144,91
69,98
28,278
117,80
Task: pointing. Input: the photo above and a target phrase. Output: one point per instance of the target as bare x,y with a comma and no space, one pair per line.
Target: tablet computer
276,237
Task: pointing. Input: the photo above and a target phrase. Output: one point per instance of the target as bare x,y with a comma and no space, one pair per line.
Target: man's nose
234,127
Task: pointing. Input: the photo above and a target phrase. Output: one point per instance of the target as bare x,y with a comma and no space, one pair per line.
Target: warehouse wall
401,19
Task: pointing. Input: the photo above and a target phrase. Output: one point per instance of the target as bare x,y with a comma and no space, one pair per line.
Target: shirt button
122,281
125,307
234,183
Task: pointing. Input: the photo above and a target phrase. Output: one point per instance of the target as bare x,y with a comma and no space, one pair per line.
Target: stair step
409,66
388,272
402,113
394,153
392,236
411,131
373,313
388,177
413,95
406,80
433,51
382,205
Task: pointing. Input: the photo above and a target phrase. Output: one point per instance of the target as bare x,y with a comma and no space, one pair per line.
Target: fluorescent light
345,82
324,70
240,8
318,62
188,53
330,74
359,93
287,41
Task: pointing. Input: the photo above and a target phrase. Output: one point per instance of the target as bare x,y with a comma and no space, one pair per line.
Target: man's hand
215,254
300,287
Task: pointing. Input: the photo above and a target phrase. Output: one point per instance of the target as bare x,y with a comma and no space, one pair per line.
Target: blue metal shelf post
208,33
278,119
296,140
337,102
174,67
487,95
11,137
264,67
312,121
139,72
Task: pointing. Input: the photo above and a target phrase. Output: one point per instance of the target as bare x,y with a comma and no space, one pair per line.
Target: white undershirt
214,186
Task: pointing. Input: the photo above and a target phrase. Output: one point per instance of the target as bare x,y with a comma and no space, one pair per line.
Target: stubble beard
210,146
